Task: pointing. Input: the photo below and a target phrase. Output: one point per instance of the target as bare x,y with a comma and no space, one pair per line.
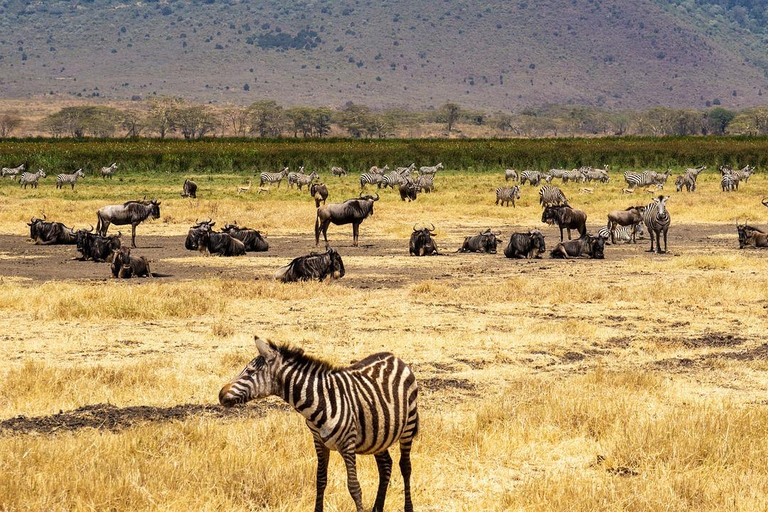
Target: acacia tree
133,122
194,122
162,112
266,118
355,119
9,123
82,121
450,113
237,120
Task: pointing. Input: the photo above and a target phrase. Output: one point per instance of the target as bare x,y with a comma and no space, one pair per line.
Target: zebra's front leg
352,483
384,462
322,472
651,232
665,241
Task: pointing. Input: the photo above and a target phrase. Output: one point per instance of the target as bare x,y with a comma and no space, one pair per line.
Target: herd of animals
232,240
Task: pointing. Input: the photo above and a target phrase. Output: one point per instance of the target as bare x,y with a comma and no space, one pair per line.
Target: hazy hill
413,53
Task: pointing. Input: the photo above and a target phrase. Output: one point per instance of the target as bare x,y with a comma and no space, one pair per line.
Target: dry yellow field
635,383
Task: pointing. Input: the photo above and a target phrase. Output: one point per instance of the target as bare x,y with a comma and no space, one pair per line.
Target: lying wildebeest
313,266
195,233
587,246
351,211
750,236
96,247
252,239
629,217
125,265
320,192
189,189
408,190
483,242
422,243
525,245
221,244
50,233
132,212
566,218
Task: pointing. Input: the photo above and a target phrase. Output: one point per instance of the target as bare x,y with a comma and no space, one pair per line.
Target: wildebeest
351,211
195,233
132,212
587,246
408,190
566,218
319,192
96,247
313,266
750,236
422,243
525,245
252,239
221,244
125,265
486,241
189,189
628,217
50,233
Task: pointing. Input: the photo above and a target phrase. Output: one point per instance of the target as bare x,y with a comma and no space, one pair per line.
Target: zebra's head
80,173
41,173
661,201
257,380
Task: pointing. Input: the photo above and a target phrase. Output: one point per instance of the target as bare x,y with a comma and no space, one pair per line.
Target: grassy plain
631,384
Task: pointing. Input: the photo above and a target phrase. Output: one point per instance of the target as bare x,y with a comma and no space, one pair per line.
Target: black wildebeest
132,212
252,239
566,218
750,236
313,266
221,244
351,211
125,265
50,233
195,233
408,190
587,246
525,245
422,242
189,189
96,247
483,242
629,217
319,192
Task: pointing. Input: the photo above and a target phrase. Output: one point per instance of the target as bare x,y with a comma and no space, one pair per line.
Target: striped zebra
622,233
729,182
378,170
744,173
69,179
31,178
306,179
338,171
657,219
426,183
368,178
549,195
591,174
393,179
273,177
687,180
557,173
431,170
108,171
573,175
507,194
639,179
13,172
532,177
293,175
510,173
406,171
360,409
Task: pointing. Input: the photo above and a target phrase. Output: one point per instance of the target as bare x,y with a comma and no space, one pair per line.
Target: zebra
393,179
573,175
622,233
108,171
406,171
338,171
507,194
13,172
729,182
362,409
744,173
426,183
549,195
557,173
591,174
687,180
378,170
273,177
370,179
639,179
510,173
431,170
30,178
306,179
657,219
293,175
532,177
69,179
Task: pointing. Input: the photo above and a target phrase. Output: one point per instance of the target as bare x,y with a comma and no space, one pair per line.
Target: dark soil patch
675,363
474,364
714,339
760,352
436,384
572,357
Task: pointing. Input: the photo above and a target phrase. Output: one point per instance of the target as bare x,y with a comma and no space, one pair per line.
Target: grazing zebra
557,173
108,171
370,179
657,219
293,175
338,171
687,180
639,179
573,175
69,179
532,177
392,179
591,174
426,183
378,170
549,195
622,233
31,178
13,172
744,173
510,173
729,182
507,194
431,170
273,177
360,409
304,179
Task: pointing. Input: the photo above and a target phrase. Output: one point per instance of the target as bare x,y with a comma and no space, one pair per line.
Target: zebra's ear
265,349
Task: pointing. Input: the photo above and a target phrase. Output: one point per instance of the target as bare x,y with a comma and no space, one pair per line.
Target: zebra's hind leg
353,484
384,462
405,469
322,472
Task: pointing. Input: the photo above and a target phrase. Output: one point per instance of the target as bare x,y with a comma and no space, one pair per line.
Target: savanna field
637,382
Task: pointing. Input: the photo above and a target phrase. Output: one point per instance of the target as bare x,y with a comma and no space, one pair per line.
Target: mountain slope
411,53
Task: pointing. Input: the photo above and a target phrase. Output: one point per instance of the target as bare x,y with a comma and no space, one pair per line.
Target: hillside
415,53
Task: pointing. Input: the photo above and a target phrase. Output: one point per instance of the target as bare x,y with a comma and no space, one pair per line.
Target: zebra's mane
298,356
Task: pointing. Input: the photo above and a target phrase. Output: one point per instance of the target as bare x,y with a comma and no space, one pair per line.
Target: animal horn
433,227
414,227
91,230
377,196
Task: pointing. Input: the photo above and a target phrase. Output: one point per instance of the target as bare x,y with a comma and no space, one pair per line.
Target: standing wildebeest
507,195
351,211
629,217
525,245
125,265
566,218
132,212
189,189
422,243
587,246
220,243
657,220
751,236
362,409
408,190
195,233
252,239
50,233
483,242
313,266
108,171
319,192
338,171
31,178
13,172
